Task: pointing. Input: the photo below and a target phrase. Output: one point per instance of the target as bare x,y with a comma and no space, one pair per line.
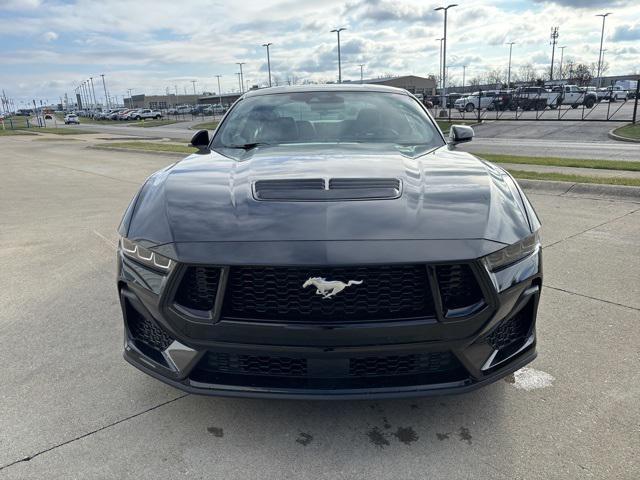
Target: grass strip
152,123
212,125
151,146
563,162
629,131
565,177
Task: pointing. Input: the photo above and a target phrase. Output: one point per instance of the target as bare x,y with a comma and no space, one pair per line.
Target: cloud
587,3
50,36
626,33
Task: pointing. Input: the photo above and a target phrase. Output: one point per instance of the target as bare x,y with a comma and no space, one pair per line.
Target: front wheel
589,102
470,107
157,117
574,105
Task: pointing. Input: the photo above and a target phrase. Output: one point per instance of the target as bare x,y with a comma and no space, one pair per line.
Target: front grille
510,332
147,331
198,288
255,365
401,364
277,294
433,363
458,286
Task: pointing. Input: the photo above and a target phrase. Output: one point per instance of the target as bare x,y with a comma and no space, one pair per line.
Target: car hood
445,195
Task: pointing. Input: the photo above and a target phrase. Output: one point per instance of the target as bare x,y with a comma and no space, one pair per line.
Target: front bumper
461,354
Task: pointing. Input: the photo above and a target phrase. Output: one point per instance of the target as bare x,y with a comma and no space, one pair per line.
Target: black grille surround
511,332
276,293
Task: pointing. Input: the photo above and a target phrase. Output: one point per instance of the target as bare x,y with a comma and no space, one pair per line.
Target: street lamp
361,74
338,30
241,77
239,81
440,62
268,59
464,72
106,97
604,17
444,56
509,69
219,91
561,58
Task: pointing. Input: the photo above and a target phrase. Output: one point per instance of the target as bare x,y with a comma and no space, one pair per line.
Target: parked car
502,101
575,96
534,98
476,100
280,293
612,93
71,118
145,113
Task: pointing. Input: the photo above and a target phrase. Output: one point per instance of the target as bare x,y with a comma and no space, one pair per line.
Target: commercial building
411,83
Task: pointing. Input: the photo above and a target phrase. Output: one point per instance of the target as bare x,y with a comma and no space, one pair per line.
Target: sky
48,47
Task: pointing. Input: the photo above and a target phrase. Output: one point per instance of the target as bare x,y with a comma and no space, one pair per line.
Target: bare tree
527,73
495,76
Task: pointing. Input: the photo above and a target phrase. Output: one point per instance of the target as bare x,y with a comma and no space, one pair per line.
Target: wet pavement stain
406,435
385,423
415,406
510,378
378,438
464,435
216,431
304,439
443,436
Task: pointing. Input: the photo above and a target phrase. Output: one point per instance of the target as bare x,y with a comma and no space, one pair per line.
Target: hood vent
336,189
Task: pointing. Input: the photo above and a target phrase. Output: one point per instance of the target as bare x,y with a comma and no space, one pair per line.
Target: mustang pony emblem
329,288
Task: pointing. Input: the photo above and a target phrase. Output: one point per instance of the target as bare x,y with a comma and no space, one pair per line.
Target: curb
591,190
133,150
620,138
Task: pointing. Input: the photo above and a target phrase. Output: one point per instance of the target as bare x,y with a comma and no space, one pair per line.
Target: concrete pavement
72,408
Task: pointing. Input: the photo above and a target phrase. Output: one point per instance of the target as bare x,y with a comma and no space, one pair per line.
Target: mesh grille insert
402,364
147,331
277,293
198,288
510,332
458,286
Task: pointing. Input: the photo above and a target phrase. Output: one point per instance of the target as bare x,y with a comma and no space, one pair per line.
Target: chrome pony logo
329,288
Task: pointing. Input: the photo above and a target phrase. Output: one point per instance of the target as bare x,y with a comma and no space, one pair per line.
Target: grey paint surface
63,377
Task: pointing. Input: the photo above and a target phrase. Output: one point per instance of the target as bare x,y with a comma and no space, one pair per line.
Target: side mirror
460,134
200,139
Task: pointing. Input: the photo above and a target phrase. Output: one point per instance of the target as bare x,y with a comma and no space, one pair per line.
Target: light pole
604,17
338,30
239,81
219,91
361,73
443,112
130,99
561,58
93,91
267,45
241,77
440,63
509,69
464,72
554,40
106,97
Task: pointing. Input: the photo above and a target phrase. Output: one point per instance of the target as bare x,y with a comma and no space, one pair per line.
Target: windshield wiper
248,146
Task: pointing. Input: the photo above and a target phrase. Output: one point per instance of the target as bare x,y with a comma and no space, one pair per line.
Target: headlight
513,253
145,256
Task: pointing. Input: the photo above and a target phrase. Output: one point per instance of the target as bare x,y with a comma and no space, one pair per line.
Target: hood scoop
320,190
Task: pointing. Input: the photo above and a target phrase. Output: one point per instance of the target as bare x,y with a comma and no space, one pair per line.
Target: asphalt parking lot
72,407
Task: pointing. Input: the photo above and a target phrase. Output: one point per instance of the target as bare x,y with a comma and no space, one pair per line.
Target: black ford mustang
328,242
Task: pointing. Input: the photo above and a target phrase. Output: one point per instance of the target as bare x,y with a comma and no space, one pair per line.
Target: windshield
327,117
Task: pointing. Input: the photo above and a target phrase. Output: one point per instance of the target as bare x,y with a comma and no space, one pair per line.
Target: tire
157,117
469,107
574,105
138,118
553,106
590,102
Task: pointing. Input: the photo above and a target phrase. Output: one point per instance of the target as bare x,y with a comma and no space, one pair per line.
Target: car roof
331,87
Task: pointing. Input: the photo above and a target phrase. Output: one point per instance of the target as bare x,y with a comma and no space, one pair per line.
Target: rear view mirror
460,134
200,139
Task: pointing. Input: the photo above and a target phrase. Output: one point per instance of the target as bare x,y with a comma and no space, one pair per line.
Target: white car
613,93
475,100
71,118
144,113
